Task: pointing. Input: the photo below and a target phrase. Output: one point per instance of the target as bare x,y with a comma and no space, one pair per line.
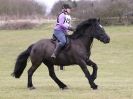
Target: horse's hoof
31,88
94,87
64,88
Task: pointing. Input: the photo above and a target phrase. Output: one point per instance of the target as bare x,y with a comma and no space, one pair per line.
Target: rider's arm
62,21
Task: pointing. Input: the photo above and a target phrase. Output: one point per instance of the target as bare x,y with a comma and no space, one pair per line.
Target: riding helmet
66,6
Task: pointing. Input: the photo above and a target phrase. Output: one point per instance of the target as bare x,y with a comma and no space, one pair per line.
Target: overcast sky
48,3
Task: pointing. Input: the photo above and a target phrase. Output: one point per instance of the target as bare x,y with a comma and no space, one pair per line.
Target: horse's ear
98,20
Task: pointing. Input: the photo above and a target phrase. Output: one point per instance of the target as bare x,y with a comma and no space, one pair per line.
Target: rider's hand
71,29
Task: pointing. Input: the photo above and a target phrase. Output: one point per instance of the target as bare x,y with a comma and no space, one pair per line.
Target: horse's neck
87,42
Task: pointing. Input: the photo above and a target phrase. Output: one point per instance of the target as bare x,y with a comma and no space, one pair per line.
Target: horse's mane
80,30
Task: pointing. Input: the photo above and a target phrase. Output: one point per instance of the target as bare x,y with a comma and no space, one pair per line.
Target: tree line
105,9
82,9
96,8
21,8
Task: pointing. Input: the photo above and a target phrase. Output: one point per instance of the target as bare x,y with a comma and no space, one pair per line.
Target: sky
48,3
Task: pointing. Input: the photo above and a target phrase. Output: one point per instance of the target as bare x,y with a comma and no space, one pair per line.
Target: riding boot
56,51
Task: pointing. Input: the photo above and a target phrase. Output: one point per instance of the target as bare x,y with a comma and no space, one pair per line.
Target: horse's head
98,31
91,28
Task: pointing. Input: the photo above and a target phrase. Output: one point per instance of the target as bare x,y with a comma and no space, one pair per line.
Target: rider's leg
62,41
56,51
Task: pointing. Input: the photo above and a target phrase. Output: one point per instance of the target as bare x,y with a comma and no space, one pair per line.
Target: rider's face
68,11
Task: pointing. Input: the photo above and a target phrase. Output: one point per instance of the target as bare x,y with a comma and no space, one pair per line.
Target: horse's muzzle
106,39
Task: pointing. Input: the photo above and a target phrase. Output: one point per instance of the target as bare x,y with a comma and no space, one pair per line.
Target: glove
71,29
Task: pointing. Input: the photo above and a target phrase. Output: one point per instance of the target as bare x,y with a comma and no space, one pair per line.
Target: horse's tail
21,62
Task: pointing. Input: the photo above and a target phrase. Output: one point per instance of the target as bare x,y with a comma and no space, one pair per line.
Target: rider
61,28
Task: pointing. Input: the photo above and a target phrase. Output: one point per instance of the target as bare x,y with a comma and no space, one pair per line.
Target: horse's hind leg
53,75
30,73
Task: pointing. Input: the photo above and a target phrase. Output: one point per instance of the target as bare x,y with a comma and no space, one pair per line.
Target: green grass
115,62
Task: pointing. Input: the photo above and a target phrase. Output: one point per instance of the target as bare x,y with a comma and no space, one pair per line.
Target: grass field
115,74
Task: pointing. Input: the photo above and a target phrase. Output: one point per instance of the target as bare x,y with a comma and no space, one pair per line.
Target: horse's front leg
95,68
83,66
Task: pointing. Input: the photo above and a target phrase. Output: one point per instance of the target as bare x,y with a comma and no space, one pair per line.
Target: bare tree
97,9
21,8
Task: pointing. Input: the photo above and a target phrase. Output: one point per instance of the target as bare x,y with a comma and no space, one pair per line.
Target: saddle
55,41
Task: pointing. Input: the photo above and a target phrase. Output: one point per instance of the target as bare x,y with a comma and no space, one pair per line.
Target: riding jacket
63,22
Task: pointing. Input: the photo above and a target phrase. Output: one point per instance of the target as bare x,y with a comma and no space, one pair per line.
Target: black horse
78,53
